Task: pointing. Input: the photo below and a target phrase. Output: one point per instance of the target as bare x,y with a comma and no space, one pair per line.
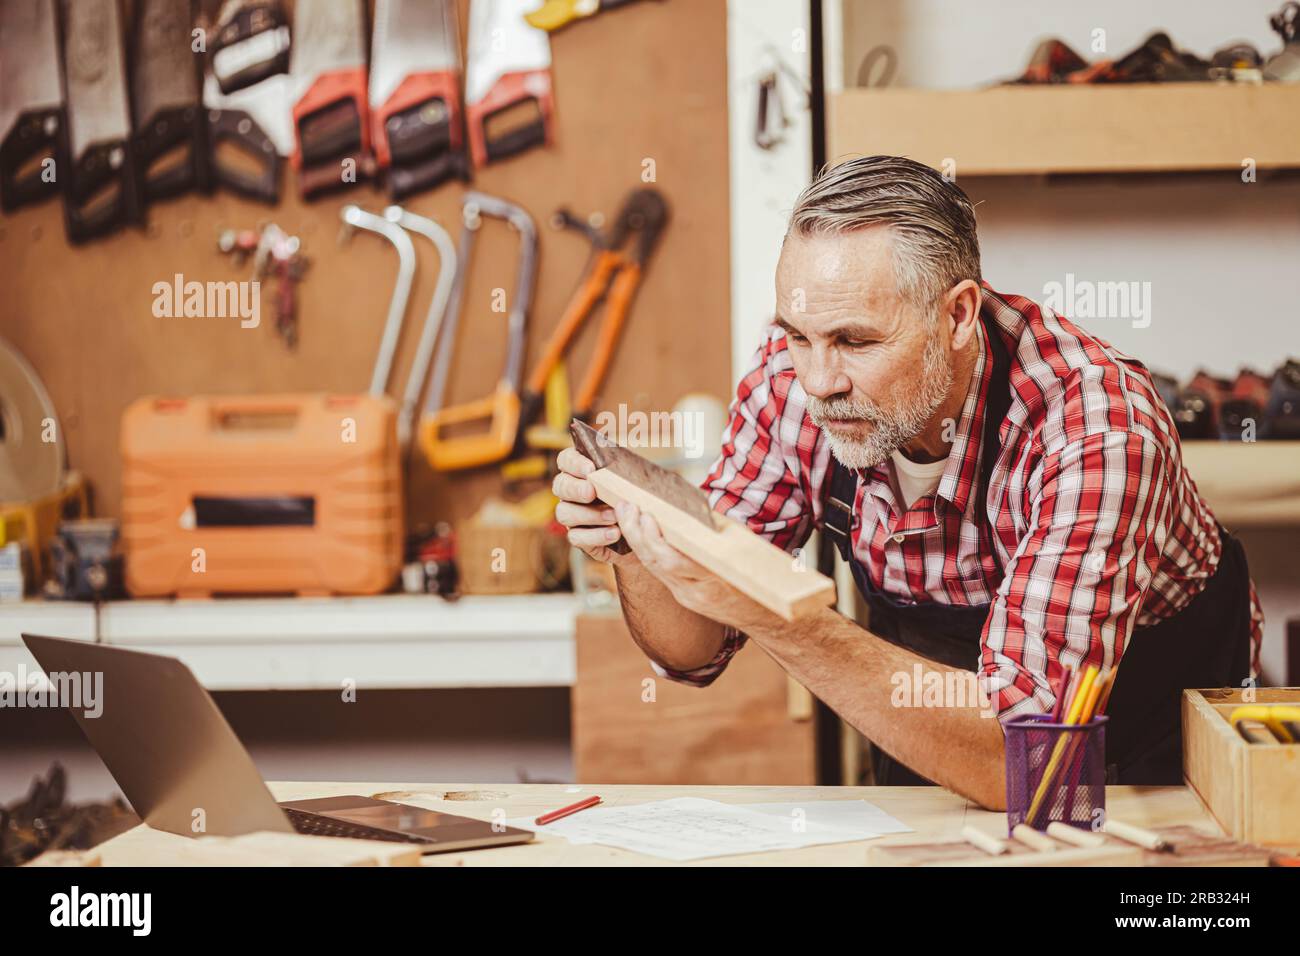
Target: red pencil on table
559,814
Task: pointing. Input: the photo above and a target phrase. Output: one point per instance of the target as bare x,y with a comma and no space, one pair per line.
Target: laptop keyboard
313,824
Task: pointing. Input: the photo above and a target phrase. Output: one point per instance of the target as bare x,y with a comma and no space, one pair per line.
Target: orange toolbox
261,494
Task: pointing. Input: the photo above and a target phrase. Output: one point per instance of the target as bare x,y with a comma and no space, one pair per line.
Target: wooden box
1252,789
753,727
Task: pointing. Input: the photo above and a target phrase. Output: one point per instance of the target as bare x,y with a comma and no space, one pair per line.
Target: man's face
876,369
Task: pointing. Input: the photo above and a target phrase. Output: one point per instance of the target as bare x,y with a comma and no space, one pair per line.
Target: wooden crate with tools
1247,775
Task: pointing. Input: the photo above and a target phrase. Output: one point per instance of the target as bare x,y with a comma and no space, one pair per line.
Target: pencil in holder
1055,772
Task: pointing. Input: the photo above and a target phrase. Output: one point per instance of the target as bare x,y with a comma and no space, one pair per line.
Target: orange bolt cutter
614,275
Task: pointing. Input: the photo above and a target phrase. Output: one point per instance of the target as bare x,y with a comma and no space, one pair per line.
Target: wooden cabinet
752,726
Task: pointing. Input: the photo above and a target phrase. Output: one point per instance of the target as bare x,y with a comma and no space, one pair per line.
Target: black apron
1207,644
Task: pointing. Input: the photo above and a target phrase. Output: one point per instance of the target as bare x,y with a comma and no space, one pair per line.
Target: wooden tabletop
931,811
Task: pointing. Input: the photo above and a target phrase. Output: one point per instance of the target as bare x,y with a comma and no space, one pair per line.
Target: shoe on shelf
1237,63
1157,61
1284,66
1197,413
1051,62
1282,410
1243,408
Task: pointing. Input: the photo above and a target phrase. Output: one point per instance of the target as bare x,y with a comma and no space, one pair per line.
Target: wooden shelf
1119,128
1247,484
387,641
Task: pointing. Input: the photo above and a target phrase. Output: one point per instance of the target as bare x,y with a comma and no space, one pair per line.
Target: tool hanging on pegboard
171,130
507,71
276,254
33,128
331,112
415,109
618,263
100,189
446,452
248,96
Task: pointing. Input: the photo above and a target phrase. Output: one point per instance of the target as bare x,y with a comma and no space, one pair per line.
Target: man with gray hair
1007,488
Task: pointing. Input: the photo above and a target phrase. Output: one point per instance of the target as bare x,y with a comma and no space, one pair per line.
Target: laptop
183,769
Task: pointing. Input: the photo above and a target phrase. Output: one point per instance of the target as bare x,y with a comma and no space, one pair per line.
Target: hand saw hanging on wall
171,131
250,128
508,69
331,114
32,123
415,108
99,190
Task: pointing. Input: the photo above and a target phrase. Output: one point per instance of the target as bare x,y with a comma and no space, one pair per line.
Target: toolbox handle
265,410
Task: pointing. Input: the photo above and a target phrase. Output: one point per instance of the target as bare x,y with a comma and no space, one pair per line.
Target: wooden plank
632,726
781,583
1073,129
1213,761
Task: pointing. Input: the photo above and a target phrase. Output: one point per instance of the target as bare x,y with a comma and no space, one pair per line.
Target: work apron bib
1207,644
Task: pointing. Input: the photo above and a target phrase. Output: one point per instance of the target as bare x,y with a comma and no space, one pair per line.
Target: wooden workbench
934,813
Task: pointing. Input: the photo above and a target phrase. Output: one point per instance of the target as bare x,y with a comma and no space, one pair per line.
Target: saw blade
501,41
328,35
411,36
164,72
95,67
29,59
30,466
665,485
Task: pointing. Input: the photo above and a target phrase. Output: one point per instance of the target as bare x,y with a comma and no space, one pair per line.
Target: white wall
1222,257
764,183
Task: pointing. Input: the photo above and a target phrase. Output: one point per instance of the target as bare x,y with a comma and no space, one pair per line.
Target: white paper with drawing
689,828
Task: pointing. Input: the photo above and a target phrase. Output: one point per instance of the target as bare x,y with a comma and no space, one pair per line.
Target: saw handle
470,451
238,128
34,133
185,127
86,213
404,181
529,86
332,125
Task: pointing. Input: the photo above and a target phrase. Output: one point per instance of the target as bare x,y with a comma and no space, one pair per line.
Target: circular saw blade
30,467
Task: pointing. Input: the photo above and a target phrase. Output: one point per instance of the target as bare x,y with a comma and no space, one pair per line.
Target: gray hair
932,221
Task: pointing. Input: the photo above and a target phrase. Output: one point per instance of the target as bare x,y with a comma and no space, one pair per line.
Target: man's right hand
592,527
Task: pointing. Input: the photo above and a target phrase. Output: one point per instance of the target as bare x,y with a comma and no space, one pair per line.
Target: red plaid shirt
1097,526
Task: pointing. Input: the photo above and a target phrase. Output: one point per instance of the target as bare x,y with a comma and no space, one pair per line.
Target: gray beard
892,429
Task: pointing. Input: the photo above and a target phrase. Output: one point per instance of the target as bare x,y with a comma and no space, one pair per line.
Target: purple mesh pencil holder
1055,772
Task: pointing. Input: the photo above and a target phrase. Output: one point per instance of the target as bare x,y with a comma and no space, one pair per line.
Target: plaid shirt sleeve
761,477
1072,590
